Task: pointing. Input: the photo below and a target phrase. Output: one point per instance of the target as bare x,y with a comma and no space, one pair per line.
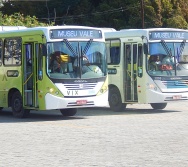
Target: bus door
29,80
130,63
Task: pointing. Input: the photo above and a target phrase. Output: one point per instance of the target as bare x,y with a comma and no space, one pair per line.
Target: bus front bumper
54,102
158,97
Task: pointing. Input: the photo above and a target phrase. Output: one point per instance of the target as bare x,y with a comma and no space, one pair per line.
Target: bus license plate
81,102
176,97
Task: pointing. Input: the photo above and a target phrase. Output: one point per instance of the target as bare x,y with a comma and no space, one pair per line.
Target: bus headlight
51,90
54,91
152,86
104,87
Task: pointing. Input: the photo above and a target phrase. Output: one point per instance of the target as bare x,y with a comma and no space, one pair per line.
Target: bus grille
82,86
176,84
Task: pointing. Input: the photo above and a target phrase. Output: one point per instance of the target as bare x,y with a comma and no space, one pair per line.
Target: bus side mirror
145,49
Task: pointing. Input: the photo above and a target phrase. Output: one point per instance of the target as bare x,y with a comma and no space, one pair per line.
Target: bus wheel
17,106
68,112
159,106
1,108
115,101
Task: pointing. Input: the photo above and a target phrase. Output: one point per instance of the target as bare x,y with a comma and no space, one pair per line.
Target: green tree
45,11
118,14
18,19
177,22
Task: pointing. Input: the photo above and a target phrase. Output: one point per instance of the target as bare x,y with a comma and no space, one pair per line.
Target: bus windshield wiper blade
87,46
182,45
69,46
167,50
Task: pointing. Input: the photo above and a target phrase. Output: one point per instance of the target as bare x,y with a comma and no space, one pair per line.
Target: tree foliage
18,19
100,13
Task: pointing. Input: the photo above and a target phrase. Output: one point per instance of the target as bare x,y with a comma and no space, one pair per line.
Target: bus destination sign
75,33
161,35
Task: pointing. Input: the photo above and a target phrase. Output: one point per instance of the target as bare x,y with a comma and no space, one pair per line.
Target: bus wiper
87,46
182,45
69,46
167,50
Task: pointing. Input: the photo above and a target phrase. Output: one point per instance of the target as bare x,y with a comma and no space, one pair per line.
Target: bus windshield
168,59
73,59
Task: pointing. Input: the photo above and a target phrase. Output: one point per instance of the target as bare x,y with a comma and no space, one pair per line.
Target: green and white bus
57,67
132,77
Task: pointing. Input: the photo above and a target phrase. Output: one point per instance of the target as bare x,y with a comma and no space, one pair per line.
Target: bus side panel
46,86
142,88
10,81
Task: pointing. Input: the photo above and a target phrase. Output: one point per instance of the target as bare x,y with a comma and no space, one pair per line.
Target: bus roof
108,29
9,28
46,30
139,32
66,27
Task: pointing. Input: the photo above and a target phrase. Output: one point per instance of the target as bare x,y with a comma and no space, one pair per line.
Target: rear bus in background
47,68
147,66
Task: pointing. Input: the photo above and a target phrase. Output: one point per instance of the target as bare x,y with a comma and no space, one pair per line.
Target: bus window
12,51
134,53
114,55
40,64
113,47
140,60
128,53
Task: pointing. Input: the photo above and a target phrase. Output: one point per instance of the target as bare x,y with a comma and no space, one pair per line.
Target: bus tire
17,106
68,112
115,101
158,106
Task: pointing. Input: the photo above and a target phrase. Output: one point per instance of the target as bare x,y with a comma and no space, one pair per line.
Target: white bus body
85,89
131,78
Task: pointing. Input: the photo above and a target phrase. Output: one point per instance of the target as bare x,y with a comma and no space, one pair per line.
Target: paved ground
138,137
